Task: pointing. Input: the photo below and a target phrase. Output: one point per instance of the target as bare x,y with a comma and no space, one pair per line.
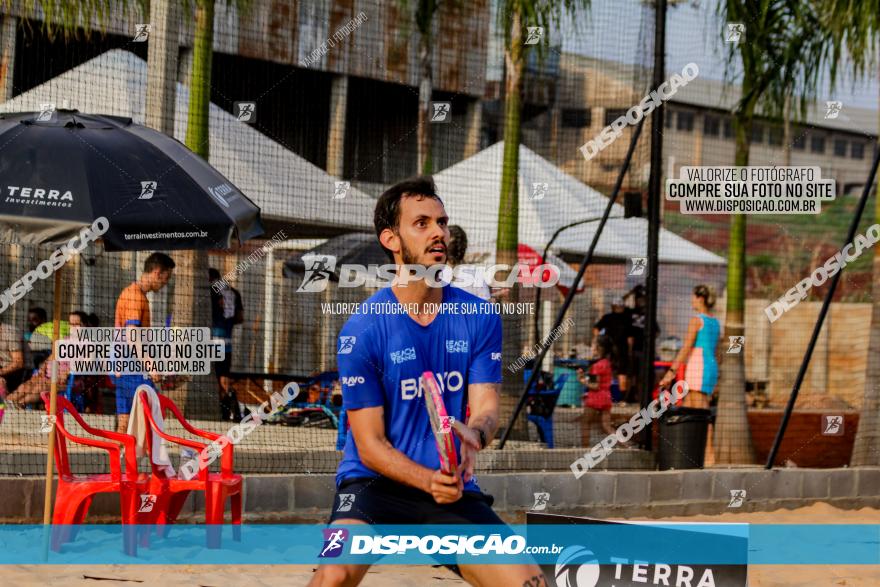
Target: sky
622,30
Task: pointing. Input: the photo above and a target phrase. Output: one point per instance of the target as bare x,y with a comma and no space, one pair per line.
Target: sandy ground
386,575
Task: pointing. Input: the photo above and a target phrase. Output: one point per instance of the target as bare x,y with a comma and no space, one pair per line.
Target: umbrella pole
53,397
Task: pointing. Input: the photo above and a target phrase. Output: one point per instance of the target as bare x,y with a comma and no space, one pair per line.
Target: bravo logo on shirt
448,380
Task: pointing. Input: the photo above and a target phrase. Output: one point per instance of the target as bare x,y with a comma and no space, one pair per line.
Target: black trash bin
682,442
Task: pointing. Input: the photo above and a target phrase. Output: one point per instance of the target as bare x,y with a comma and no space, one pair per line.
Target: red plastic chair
74,493
172,492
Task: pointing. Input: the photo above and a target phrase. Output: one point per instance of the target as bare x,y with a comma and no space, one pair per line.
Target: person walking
133,309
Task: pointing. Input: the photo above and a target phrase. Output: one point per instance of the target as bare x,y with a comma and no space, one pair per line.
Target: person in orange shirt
133,309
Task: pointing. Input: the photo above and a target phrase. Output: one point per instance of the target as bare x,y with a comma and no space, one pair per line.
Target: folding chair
542,404
171,492
74,493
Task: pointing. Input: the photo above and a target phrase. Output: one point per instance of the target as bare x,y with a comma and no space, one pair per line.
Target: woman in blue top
698,352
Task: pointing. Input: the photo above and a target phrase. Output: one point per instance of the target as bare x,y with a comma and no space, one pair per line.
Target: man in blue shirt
390,471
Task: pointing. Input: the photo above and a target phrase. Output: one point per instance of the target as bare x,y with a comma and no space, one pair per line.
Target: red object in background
75,492
532,259
660,368
171,492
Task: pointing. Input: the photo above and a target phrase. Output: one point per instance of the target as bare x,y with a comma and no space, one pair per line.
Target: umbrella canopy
286,187
64,172
471,190
58,175
356,248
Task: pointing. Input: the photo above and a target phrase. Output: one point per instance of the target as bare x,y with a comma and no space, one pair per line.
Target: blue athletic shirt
382,353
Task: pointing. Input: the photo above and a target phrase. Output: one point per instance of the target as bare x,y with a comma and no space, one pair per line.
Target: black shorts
381,501
623,360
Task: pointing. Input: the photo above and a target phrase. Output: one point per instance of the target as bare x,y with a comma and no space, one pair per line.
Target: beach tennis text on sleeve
142,351
750,190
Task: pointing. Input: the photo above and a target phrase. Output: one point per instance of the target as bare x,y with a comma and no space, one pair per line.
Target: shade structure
63,171
355,248
471,192
60,174
286,187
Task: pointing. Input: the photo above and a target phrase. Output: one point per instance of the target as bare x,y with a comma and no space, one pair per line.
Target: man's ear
390,240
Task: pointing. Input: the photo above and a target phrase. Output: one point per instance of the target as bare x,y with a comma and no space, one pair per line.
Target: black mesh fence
314,111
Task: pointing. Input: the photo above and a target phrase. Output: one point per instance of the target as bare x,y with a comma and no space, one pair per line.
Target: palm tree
781,58
513,18
854,29
68,15
424,18
200,80
424,21
194,264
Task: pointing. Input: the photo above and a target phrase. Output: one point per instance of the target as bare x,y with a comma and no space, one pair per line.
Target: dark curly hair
608,350
458,245
387,212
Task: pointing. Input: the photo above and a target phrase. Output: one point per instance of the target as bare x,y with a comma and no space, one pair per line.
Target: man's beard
408,257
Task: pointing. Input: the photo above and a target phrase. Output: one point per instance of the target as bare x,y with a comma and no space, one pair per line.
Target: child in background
597,400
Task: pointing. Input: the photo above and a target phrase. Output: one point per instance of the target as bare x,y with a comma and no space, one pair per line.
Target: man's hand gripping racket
442,425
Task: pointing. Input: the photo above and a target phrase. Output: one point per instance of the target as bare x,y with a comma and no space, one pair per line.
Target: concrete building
698,129
346,99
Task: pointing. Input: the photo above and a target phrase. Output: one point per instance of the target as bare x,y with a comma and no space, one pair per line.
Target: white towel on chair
138,426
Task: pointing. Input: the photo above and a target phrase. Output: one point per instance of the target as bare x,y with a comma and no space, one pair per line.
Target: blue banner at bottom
543,543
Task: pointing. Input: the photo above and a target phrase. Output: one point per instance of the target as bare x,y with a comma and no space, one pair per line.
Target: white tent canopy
471,191
284,185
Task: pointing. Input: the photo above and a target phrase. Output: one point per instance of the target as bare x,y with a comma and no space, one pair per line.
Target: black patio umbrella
62,170
354,248
59,175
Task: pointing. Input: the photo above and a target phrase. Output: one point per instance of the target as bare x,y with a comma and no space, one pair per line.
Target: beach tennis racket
441,423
